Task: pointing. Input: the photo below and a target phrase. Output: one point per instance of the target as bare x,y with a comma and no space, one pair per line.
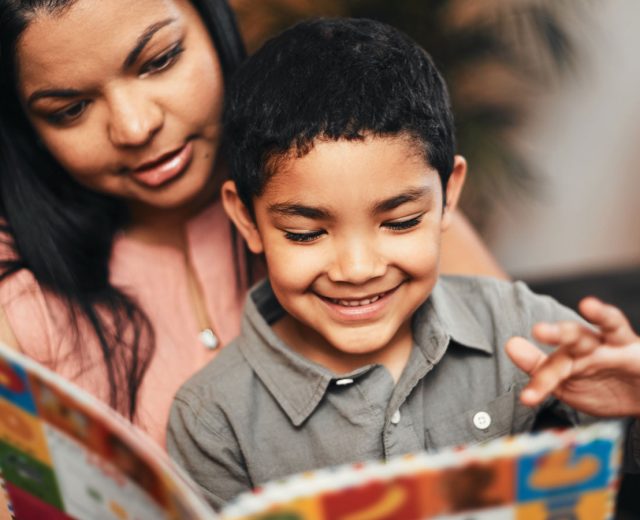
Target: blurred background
545,95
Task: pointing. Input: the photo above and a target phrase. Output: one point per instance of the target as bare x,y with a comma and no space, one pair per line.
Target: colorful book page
65,455
6,508
560,474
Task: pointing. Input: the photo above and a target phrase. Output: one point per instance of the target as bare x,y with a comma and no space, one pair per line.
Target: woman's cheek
205,96
81,162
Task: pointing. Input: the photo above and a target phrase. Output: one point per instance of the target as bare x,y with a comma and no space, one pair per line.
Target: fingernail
529,395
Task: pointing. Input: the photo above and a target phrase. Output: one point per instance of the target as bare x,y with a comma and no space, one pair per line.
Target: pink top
156,276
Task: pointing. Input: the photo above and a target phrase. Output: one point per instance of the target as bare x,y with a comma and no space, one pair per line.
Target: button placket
399,435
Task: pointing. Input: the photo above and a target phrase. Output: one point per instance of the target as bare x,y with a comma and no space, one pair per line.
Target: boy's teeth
357,303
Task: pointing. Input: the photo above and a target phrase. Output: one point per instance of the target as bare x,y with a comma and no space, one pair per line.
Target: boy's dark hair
333,79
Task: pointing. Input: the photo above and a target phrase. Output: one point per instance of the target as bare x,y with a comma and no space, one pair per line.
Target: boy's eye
303,237
163,61
68,114
401,225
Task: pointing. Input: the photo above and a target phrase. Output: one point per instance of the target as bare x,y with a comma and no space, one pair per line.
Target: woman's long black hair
62,232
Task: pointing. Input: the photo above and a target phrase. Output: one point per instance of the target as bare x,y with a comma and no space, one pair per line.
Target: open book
65,455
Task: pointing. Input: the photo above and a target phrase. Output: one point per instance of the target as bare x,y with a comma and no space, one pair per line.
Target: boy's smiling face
351,235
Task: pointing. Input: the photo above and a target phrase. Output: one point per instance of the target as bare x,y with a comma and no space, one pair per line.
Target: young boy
341,143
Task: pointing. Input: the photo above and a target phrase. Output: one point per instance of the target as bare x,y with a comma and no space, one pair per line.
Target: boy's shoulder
488,299
221,379
483,313
467,289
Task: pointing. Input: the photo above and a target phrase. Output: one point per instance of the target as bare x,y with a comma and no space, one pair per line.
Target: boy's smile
351,308
351,234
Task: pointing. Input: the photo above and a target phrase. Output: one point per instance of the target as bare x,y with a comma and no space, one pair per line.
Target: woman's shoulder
25,308
14,281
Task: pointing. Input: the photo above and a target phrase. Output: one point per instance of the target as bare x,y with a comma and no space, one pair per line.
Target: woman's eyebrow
52,92
143,40
141,43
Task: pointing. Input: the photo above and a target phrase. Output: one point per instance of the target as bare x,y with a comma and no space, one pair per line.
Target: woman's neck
164,229
162,226
167,226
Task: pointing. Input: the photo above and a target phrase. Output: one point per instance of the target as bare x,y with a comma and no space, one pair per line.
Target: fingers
580,350
572,341
525,355
568,335
612,322
528,358
557,368
548,372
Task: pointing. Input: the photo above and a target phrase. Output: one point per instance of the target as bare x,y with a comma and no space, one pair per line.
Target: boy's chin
357,345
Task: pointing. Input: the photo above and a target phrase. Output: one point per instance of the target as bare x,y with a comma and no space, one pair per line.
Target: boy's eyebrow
299,210
143,39
294,209
398,200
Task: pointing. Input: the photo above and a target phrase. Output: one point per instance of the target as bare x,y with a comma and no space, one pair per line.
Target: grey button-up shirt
260,411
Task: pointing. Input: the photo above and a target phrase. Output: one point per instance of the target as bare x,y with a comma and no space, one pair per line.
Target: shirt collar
448,313
299,384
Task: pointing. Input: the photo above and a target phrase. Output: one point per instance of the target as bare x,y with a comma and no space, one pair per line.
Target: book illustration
553,475
65,455
6,509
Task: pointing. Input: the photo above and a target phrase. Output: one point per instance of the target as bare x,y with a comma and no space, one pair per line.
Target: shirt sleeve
200,440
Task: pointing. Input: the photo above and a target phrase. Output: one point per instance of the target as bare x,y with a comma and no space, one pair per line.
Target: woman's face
127,96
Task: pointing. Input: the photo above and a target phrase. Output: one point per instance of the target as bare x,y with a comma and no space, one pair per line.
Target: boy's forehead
372,168
346,153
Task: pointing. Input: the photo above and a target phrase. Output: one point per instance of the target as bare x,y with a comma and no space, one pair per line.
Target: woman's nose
357,261
134,118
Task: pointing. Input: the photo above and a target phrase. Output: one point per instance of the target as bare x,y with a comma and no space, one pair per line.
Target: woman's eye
68,114
303,237
163,61
401,225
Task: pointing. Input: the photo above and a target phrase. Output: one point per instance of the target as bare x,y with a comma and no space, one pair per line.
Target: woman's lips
351,309
166,169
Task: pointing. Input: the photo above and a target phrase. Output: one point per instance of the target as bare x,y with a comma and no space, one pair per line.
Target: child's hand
595,371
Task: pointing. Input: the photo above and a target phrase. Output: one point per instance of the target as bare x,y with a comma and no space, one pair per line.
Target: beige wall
586,143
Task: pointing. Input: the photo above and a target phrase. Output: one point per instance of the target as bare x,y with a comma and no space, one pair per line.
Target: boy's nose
357,262
133,119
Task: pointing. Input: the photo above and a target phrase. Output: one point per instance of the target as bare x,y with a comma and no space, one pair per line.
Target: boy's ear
239,214
454,188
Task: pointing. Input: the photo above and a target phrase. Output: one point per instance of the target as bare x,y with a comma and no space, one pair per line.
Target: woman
117,264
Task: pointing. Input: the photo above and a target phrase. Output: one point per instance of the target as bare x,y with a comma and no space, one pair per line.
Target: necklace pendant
208,339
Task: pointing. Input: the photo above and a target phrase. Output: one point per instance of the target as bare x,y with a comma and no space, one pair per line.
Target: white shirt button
208,339
344,382
395,418
482,420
